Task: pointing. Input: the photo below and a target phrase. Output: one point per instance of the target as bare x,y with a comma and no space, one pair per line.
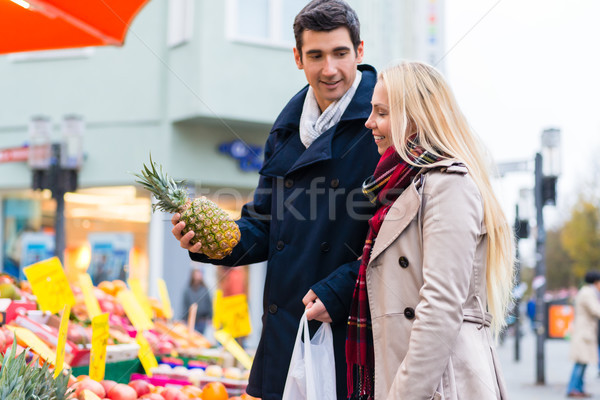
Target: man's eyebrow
342,48
318,51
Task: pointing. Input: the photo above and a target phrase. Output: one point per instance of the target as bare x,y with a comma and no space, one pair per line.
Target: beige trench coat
427,293
584,337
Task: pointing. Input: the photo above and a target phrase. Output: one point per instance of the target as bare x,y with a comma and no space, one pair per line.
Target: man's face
329,63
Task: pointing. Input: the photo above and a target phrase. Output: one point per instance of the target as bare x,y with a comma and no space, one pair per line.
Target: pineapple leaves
20,380
169,193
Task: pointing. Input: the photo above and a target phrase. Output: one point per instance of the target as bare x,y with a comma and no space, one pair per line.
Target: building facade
194,80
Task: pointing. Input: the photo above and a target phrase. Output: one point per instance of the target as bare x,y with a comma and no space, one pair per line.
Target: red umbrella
27,25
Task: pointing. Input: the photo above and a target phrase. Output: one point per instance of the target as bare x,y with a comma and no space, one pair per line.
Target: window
181,22
267,22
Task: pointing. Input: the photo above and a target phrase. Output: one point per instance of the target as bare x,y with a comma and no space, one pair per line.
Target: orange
246,396
107,287
214,391
119,285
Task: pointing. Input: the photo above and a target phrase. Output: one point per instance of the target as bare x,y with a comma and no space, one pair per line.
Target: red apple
122,392
108,385
90,385
141,387
172,394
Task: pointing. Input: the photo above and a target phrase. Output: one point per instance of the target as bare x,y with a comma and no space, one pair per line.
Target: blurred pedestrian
438,255
531,312
198,293
584,333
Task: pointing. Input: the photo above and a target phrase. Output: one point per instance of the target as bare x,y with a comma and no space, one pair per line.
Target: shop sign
14,154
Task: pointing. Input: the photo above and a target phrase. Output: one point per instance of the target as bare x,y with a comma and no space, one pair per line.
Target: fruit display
212,227
203,377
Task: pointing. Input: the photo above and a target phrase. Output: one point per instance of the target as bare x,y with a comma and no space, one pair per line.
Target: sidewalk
520,376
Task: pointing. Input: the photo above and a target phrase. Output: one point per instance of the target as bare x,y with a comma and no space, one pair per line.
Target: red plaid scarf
392,175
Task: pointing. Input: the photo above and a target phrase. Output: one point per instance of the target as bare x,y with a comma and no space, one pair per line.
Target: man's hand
184,240
315,308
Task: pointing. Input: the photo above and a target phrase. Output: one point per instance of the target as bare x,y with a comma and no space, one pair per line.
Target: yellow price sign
165,299
100,337
134,311
91,302
62,339
136,288
232,315
49,284
232,346
35,343
145,354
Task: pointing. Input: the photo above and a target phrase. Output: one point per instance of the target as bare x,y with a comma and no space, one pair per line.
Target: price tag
49,284
35,343
232,346
138,292
232,315
91,302
145,354
134,311
100,337
62,339
217,301
165,299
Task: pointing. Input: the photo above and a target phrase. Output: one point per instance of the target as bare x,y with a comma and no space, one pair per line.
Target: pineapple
212,227
22,381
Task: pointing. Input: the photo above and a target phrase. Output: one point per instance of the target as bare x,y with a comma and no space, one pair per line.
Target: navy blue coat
309,219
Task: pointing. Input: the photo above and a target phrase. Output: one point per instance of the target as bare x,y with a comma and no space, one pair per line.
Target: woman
197,293
584,333
439,252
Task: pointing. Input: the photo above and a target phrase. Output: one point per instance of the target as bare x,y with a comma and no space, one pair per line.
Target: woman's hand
315,309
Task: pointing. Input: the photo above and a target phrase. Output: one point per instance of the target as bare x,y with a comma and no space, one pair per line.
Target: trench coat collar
402,212
406,207
293,155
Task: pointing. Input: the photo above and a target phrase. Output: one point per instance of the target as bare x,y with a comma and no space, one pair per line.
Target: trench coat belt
474,316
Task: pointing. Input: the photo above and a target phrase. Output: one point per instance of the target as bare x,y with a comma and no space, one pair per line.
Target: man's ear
298,58
360,52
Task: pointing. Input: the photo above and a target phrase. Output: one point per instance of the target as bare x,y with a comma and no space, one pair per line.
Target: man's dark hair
326,15
592,276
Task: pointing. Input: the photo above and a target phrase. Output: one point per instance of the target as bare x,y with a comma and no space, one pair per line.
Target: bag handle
311,393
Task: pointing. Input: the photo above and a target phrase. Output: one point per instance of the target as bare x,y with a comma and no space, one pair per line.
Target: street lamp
547,170
55,166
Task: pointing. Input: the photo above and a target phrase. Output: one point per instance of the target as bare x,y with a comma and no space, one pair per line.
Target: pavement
521,376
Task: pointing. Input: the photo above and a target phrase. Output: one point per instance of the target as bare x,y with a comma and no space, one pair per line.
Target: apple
91,385
122,392
141,387
172,394
108,385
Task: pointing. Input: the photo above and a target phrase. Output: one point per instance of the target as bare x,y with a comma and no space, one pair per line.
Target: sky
518,67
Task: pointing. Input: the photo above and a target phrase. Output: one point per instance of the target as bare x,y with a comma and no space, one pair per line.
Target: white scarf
313,123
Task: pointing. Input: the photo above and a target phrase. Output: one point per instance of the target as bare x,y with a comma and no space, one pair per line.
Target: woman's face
379,120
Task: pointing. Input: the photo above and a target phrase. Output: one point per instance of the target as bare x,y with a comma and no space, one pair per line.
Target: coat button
335,182
409,312
273,308
325,247
403,261
280,245
289,183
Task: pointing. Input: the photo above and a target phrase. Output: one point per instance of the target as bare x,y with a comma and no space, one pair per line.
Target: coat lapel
402,212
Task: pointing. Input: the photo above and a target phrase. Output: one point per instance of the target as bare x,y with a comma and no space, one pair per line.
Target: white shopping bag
312,369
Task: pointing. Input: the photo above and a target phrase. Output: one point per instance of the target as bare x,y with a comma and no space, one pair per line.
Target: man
308,217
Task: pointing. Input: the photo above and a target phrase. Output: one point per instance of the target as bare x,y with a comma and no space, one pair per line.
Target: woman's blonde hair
420,101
